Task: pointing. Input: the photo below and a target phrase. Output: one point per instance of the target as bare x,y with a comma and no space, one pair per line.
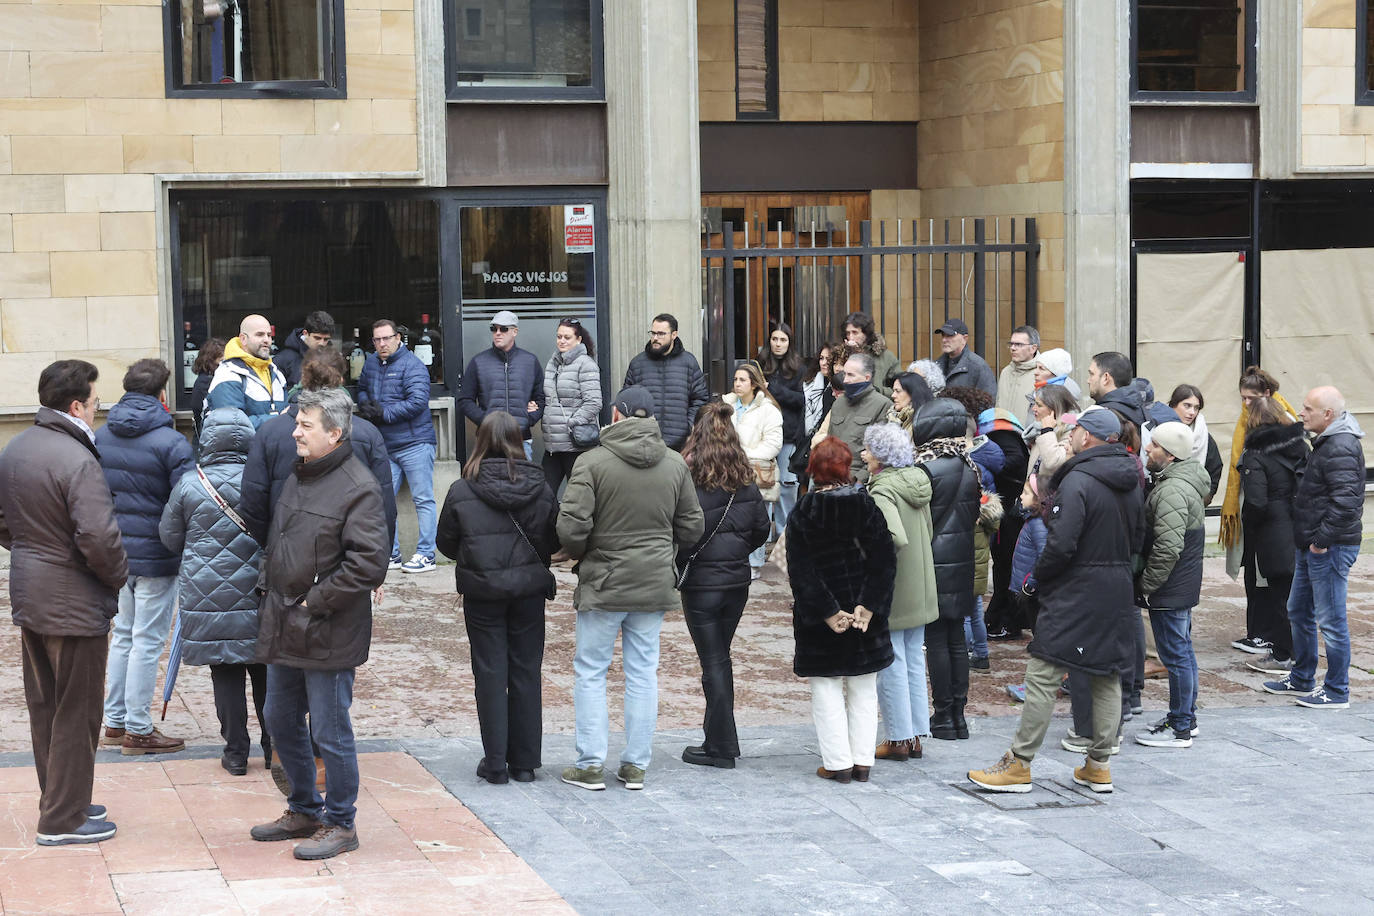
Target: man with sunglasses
393,393
504,377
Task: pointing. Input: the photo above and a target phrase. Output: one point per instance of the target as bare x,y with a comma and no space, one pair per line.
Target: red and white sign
579,233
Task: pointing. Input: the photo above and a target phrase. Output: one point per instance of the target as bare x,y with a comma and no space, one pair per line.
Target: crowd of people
895,501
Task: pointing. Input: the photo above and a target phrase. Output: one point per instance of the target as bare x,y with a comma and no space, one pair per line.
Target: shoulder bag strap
524,536
682,577
219,500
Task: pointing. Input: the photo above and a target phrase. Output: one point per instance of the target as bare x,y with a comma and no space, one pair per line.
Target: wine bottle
424,347
358,358
189,354
275,349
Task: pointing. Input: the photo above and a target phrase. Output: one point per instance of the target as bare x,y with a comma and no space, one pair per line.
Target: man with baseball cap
628,509
1171,584
963,367
1085,624
504,377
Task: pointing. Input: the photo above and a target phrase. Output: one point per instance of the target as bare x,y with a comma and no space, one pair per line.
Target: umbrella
173,666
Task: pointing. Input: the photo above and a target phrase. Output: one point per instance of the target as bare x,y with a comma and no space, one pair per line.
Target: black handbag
585,435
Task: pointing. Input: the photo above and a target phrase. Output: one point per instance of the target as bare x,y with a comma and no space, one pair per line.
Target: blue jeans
1174,641
416,464
140,630
779,510
902,694
596,632
529,449
976,630
1317,601
326,695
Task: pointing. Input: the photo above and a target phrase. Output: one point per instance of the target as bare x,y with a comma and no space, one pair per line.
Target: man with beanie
629,507
861,405
1327,531
1017,381
1170,585
246,378
673,379
1085,624
504,377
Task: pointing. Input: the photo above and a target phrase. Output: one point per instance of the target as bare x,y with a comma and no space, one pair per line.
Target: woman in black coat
785,371
497,524
207,361
939,431
714,573
1274,450
841,563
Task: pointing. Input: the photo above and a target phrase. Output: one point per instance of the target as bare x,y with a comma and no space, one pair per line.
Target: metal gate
913,277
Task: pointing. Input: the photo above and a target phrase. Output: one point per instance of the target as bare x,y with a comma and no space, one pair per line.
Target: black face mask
854,390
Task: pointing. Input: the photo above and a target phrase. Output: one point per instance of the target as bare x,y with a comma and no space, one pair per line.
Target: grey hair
335,407
929,370
890,445
866,361
1031,333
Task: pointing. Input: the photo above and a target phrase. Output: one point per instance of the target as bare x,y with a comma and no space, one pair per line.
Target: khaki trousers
1042,686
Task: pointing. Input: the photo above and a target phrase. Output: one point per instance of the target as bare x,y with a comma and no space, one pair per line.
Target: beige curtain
751,64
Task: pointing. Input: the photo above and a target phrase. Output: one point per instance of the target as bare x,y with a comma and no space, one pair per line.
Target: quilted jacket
219,561
678,388
477,529
502,380
1174,539
401,386
572,397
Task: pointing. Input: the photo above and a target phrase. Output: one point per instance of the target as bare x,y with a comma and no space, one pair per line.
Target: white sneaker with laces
418,564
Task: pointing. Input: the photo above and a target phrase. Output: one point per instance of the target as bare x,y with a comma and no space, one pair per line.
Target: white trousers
845,710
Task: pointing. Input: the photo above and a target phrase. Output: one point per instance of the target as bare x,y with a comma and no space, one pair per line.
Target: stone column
655,172
1096,178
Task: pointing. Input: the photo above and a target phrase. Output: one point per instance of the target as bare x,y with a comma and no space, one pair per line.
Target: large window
756,60
244,48
1193,49
1364,53
523,48
358,258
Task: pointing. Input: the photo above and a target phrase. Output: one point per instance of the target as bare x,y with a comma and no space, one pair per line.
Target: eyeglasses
378,340
657,334
1013,345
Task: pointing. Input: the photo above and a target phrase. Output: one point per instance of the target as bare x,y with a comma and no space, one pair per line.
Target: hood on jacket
494,486
837,513
295,342
262,368
136,414
226,436
1189,471
1110,464
1284,439
1125,401
877,346
942,418
675,350
1345,423
910,485
635,441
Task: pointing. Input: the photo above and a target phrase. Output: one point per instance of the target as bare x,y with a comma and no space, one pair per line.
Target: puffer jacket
722,560
954,506
1095,525
503,380
628,509
272,461
67,560
903,496
1029,543
1268,477
759,427
477,530
1331,488
678,388
290,357
326,552
143,457
849,420
400,386
792,402
572,397
219,560
236,384
839,555
1174,538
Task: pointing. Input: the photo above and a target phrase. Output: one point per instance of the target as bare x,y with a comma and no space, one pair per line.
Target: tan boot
1010,774
1094,775
893,750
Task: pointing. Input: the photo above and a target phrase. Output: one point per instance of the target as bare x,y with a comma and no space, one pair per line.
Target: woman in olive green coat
902,492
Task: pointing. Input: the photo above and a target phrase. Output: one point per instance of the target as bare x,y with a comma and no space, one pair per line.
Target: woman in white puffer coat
758,421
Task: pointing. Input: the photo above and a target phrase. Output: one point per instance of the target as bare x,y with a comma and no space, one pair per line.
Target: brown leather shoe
893,750
861,773
155,742
319,774
844,775
327,842
915,749
112,737
292,825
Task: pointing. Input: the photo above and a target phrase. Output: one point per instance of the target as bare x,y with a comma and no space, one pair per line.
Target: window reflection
521,43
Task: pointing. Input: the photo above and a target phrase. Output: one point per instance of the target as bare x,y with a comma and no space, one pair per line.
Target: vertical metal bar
748,300
866,268
963,240
848,306
782,287
930,289
1032,273
980,282
915,285
815,272
728,280
881,323
997,292
946,279
1012,284
898,286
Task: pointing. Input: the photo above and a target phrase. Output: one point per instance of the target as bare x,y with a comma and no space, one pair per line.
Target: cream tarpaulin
1317,326
1189,322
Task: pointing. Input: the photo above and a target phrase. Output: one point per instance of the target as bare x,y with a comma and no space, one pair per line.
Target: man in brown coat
67,566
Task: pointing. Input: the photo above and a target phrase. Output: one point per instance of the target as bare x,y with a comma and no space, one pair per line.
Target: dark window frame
596,92
333,86
770,52
1246,95
1364,34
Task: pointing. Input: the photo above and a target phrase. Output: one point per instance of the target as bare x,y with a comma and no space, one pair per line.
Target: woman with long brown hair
497,525
714,574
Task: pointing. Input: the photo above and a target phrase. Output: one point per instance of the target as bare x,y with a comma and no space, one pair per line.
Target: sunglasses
500,328
571,321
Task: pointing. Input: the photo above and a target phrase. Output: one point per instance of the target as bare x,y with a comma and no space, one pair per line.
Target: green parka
1174,538
629,507
989,520
903,496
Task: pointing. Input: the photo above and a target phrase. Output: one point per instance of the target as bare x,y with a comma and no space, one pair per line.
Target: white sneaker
418,564
1162,735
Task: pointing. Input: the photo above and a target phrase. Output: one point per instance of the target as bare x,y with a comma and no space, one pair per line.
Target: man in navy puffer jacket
506,378
393,393
143,457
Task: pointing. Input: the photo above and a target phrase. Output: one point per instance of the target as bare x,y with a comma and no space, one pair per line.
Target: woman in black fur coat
841,564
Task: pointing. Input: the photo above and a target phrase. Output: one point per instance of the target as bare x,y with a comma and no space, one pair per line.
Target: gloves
370,410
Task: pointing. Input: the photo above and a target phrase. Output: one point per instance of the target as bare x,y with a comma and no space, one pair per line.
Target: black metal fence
913,277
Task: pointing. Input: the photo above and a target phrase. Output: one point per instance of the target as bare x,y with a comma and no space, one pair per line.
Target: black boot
942,724
958,721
